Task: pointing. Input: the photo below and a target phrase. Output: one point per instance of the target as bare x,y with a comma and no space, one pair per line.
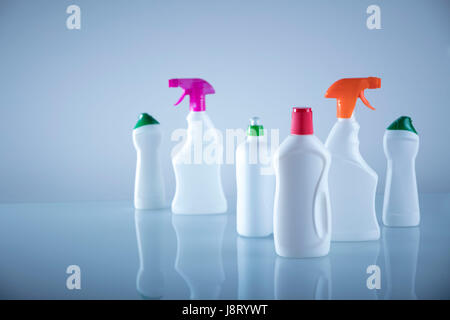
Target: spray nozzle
196,89
346,91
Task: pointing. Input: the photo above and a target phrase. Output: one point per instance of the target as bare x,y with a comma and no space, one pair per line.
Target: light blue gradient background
69,99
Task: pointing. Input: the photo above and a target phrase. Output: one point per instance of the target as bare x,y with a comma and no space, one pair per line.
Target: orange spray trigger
364,100
346,91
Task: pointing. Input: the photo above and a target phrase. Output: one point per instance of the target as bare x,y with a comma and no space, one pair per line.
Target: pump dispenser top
346,91
196,89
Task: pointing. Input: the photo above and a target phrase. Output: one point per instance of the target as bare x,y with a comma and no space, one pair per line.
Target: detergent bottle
302,212
197,163
149,185
352,182
401,200
255,184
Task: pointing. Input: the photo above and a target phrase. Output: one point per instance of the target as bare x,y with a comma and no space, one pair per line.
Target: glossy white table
123,254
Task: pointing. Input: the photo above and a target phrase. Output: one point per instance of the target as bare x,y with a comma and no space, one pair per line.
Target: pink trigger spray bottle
197,160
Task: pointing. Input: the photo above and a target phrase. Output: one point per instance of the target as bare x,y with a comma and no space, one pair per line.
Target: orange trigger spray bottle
352,181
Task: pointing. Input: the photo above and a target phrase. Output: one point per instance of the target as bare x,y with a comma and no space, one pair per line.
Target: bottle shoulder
147,136
150,129
202,117
300,144
401,135
295,149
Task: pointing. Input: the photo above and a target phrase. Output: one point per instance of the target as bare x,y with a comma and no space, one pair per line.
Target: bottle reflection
256,262
349,262
150,240
308,279
199,253
401,251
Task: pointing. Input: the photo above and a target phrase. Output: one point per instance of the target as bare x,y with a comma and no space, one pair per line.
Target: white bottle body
197,167
255,188
302,212
401,200
352,186
149,192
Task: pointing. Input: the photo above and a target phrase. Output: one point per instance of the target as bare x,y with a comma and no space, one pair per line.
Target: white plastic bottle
255,184
149,190
197,163
302,213
352,181
401,200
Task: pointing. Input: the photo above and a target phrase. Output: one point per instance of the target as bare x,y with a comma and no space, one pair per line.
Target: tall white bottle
401,200
197,163
149,190
255,184
302,213
352,181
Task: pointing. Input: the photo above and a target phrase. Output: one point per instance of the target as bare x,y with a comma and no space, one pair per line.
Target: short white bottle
255,184
401,201
149,190
302,212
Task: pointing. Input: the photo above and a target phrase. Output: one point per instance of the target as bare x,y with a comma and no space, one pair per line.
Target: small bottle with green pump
401,201
255,184
149,190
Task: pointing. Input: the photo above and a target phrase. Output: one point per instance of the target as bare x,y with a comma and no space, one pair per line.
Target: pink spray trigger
181,98
196,89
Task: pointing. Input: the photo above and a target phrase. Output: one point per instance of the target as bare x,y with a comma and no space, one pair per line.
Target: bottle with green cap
149,190
255,184
401,201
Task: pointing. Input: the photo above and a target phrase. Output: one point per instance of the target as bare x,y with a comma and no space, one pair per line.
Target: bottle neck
343,138
197,103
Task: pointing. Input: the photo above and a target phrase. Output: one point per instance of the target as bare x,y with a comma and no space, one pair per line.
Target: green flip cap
402,123
144,120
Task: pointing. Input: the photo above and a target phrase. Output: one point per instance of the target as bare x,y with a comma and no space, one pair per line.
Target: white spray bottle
149,190
197,163
352,182
255,184
401,200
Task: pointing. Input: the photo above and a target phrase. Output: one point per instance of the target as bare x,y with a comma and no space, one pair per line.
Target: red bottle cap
301,121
